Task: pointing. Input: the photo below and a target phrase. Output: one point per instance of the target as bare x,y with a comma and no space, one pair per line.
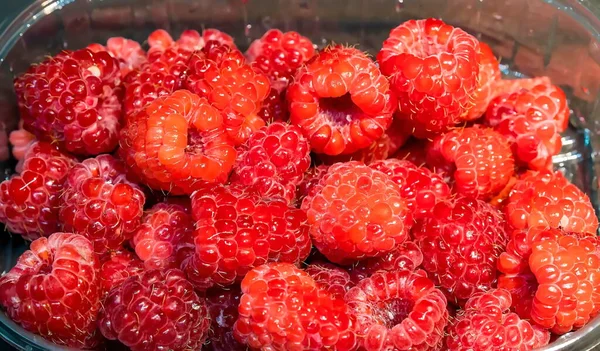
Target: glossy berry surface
407,256
116,267
330,277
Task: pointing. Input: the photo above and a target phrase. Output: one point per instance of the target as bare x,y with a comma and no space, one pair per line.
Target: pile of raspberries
191,196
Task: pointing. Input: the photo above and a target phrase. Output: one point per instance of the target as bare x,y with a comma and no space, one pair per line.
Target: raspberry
419,186
116,267
433,69
399,310
20,140
177,143
356,212
461,240
223,309
73,99
128,52
489,77
509,86
99,203
557,272
157,310
189,40
310,180
341,101
53,290
548,199
29,202
531,120
274,108
486,323
222,75
156,239
407,256
314,320
236,231
279,55
331,278
479,160
273,161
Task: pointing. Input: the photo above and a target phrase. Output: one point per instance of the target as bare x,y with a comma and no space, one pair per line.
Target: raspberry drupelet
29,202
433,69
100,203
53,290
330,277
177,143
128,52
341,101
400,310
488,81
73,100
116,267
356,212
407,256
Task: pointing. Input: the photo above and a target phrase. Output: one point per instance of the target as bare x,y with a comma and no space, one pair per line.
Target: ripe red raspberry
489,77
486,324
407,256
273,161
20,140
532,120
29,202
548,199
157,310
189,40
418,185
53,290
279,54
314,320
357,212
100,203
236,231
310,180
341,101
433,69
177,143
73,99
478,159
116,267
222,306
331,278
461,240
128,52
222,75
553,277
162,228
399,310
509,86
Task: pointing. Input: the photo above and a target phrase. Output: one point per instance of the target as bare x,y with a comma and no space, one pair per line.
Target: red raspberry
20,140
407,256
548,199
433,69
531,119
236,231
273,161
116,267
189,40
29,202
156,239
314,320
509,86
73,99
99,203
128,52
489,77
331,278
461,240
176,143
478,159
341,101
310,180
562,272
486,324
418,185
222,75
399,310
157,310
274,108
223,309
356,212
53,290
279,55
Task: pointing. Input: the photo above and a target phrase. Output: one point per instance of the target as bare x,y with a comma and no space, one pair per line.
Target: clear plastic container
559,38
